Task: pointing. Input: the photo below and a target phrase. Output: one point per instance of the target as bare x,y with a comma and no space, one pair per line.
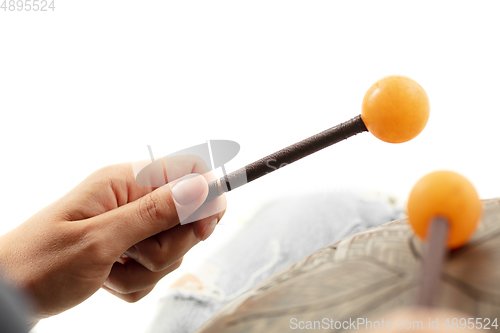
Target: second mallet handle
433,262
285,156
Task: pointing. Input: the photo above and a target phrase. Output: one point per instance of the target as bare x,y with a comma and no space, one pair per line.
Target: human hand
67,251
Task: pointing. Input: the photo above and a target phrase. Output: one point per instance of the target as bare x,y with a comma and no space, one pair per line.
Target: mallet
395,109
444,209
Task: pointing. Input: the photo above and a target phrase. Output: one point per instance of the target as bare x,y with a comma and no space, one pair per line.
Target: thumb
188,194
153,213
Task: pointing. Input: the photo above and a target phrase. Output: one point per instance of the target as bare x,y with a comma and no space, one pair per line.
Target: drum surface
376,270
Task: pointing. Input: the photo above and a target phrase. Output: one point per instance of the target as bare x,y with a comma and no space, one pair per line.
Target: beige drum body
374,271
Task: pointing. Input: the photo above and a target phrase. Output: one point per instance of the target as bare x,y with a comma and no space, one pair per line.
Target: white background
94,82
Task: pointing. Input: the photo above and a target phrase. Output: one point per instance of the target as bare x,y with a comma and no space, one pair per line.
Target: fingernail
188,189
210,229
132,253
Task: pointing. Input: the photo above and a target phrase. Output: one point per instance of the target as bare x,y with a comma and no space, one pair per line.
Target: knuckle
105,171
161,261
177,264
158,264
191,162
128,288
150,207
132,298
199,162
121,286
